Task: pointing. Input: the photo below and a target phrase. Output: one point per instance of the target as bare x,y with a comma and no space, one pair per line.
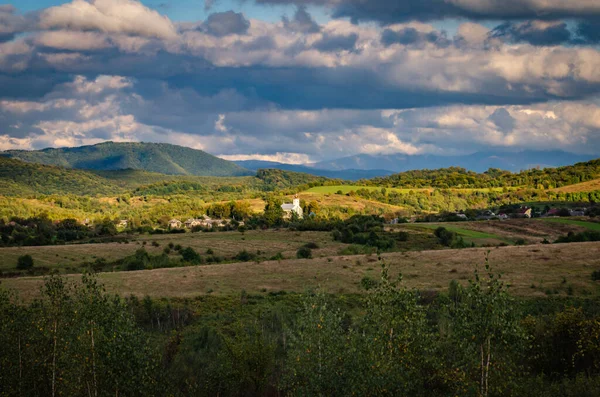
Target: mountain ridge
478,162
155,157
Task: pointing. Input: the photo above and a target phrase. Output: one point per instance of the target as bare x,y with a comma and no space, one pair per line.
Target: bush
368,283
25,262
190,255
596,275
245,256
277,257
402,236
520,242
304,253
311,245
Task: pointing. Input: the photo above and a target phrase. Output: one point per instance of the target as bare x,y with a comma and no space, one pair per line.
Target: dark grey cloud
391,11
411,36
589,32
225,23
11,23
301,22
336,42
503,120
533,32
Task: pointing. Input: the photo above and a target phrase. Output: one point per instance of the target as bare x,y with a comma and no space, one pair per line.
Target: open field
69,258
225,244
509,231
356,203
535,270
588,186
574,222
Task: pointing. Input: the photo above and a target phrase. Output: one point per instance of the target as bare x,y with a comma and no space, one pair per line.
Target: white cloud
110,16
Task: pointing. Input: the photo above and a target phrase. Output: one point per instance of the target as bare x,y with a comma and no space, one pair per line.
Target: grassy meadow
536,270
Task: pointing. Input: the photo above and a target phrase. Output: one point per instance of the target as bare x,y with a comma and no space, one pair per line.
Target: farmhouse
292,208
524,212
190,223
175,224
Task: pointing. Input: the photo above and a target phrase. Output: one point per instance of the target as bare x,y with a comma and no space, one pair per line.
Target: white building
294,207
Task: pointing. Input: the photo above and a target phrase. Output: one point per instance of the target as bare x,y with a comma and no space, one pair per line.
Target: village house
523,212
175,224
122,223
577,212
190,223
294,207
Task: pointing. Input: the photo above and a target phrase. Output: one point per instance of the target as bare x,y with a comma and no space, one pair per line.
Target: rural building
292,208
123,223
190,223
577,212
524,213
175,224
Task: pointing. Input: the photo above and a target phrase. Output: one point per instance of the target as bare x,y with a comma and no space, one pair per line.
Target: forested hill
455,177
18,178
156,157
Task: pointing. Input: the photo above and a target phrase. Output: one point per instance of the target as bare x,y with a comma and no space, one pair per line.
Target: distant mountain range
346,174
156,157
478,162
177,160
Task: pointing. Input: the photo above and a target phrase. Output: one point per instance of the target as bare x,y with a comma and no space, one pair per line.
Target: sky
302,81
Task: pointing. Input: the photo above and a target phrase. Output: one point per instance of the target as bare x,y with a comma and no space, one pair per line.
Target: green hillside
18,178
455,177
156,157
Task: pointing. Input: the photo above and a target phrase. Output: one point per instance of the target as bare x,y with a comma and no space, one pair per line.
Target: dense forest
474,340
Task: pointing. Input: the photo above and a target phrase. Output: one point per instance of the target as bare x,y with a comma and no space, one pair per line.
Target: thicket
476,340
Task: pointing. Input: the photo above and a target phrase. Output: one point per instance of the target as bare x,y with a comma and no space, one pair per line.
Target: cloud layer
89,71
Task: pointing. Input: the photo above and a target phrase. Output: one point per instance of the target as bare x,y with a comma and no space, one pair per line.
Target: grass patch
588,225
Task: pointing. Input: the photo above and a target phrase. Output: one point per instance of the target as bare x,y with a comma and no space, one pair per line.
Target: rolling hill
18,178
346,174
155,157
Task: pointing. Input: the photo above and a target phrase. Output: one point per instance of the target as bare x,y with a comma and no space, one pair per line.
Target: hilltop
155,157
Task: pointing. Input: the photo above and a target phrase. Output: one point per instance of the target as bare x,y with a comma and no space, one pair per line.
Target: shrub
311,245
155,244
277,257
190,255
304,253
210,251
245,256
25,262
402,236
368,283
520,242
596,275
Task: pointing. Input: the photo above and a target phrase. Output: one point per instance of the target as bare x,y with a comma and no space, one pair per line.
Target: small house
175,224
123,223
190,223
524,212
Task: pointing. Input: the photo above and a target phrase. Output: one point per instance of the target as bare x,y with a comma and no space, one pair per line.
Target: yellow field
588,186
530,270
